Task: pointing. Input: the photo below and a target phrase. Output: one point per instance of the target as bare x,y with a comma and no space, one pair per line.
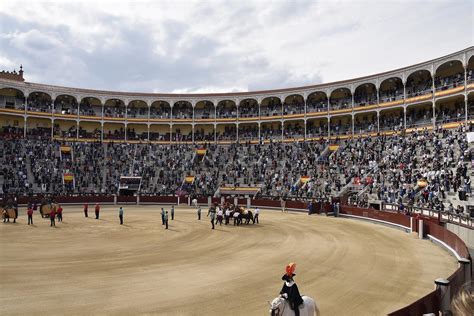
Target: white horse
281,307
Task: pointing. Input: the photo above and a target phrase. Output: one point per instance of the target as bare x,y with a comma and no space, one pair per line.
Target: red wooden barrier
446,236
427,304
202,200
265,203
127,199
396,218
159,199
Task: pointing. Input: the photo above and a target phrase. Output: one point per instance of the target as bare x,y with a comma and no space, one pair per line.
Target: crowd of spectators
86,108
12,102
116,109
226,110
423,168
66,106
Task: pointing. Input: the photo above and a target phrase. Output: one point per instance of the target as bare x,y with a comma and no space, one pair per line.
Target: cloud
219,46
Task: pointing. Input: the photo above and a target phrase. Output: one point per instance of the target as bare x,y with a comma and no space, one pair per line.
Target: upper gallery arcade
440,91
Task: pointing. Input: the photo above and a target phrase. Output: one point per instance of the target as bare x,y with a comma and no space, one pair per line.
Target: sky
224,46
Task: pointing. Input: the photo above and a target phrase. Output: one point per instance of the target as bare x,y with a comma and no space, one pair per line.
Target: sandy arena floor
86,266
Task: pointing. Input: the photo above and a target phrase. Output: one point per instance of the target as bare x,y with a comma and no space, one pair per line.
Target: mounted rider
290,290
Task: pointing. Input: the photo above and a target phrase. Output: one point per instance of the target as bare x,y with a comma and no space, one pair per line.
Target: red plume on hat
290,269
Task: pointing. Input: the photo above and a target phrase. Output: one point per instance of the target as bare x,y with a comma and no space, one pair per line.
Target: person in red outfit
60,213
86,207
30,215
52,215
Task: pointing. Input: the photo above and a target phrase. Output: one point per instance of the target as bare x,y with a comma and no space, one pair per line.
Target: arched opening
226,132
365,123
204,110
365,94
114,108
341,125
226,109
11,127
65,105
419,115
114,131
65,129
316,128
391,89
270,106
90,130
317,102
248,108
293,130
470,106
40,102
90,106
450,110
271,131
248,131
204,133
11,98
391,120
137,132
449,75
182,133
160,132
470,70
137,109
340,99
160,110
182,110
293,104
419,83
38,128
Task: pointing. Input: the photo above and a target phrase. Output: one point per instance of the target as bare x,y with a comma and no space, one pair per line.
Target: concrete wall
466,234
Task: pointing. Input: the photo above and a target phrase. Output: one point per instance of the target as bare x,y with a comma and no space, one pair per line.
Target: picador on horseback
290,290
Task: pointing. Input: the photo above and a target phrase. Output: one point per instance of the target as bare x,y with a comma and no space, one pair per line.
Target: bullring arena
375,173
87,266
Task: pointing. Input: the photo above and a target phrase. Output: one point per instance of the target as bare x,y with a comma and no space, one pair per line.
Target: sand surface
86,266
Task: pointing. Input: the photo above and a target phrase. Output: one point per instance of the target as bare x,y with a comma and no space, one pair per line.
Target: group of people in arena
227,212
219,214
424,168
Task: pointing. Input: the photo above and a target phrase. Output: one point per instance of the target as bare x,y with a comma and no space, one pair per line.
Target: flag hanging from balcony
304,179
201,151
422,183
189,179
65,149
68,177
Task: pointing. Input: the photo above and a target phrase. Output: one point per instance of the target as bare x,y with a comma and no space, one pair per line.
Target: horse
7,213
45,209
248,216
281,307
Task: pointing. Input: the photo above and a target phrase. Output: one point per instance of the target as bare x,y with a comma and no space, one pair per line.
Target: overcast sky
223,46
